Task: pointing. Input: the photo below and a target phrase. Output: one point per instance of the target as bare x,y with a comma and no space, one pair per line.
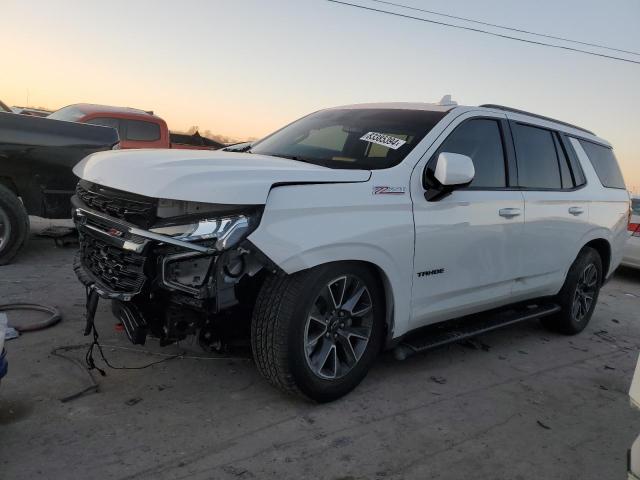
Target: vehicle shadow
628,273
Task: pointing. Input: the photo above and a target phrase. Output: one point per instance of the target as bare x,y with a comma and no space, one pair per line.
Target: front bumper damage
160,285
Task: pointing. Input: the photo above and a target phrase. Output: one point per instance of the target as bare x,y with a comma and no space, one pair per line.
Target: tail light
634,228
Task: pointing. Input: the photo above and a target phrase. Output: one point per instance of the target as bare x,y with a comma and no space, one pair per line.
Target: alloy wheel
5,229
585,292
338,327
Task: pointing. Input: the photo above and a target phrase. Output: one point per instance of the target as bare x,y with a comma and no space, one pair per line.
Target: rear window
635,206
358,138
141,131
604,163
105,122
537,158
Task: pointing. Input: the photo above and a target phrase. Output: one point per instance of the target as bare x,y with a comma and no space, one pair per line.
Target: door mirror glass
450,171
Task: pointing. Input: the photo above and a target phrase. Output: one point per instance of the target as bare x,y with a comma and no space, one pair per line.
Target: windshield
367,139
70,114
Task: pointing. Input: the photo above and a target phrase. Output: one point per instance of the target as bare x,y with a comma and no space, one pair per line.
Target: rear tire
14,225
316,333
579,294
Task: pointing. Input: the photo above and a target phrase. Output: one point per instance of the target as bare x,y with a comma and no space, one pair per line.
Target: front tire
316,333
579,294
14,225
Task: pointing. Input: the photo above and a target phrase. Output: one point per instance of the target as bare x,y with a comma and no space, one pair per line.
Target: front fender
309,225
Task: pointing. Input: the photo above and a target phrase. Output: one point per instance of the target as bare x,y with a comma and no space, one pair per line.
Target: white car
632,248
352,230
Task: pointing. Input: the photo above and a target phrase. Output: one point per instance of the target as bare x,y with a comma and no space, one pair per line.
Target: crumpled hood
211,176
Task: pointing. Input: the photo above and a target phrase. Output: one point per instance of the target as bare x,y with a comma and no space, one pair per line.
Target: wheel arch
396,308
603,247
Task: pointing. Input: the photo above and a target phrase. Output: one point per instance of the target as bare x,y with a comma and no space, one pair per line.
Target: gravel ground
529,405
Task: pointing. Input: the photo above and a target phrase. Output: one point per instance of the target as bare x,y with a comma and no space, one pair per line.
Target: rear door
468,244
556,208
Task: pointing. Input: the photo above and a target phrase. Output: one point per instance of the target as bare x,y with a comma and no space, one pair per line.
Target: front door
468,244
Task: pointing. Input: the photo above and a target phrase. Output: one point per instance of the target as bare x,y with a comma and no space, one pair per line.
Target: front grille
135,209
120,271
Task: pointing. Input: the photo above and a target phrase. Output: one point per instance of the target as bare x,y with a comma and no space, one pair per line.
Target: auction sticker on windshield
384,140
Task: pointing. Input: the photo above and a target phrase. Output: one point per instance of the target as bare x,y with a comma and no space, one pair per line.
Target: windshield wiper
292,157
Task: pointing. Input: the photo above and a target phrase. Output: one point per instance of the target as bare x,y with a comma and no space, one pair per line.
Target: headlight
227,225
226,231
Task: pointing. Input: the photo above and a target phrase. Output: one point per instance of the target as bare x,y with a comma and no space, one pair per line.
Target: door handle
509,212
576,210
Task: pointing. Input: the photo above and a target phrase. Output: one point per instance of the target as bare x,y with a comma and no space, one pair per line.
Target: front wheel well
254,285
603,248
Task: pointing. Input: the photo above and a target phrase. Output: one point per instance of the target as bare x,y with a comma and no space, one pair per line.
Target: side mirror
448,172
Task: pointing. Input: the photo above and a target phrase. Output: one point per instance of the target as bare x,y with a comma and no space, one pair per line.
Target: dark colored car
36,160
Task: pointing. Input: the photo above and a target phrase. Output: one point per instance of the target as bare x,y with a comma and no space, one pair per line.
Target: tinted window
635,206
576,169
142,131
604,163
565,171
481,140
105,122
69,114
367,138
537,157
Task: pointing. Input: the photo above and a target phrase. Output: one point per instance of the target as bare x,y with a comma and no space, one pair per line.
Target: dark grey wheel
5,228
579,294
317,332
585,292
338,327
14,225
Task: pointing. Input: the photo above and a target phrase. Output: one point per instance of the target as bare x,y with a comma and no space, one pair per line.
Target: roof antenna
446,101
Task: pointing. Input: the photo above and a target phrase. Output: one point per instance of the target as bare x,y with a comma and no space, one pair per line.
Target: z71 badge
386,190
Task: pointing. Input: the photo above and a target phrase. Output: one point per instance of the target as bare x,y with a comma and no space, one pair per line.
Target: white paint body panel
209,176
315,215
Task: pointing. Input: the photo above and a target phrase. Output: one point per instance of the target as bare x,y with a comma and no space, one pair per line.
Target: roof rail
541,117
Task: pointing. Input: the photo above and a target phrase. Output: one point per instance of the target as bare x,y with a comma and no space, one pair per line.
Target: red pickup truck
136,128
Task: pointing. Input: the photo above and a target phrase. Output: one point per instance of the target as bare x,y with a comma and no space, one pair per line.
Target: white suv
352,230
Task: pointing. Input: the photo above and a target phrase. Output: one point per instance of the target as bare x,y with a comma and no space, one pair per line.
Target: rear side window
105,122
138,130
537,157
604,163
481,140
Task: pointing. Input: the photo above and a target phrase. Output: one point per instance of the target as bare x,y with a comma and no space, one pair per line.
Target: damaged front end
171,268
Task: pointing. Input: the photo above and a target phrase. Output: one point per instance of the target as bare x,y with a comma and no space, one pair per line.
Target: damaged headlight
193,221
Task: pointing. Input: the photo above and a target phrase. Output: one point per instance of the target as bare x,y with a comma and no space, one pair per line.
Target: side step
453,331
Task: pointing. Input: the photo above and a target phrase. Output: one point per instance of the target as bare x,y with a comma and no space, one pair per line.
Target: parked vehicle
137,128
632,248
36,158
352,230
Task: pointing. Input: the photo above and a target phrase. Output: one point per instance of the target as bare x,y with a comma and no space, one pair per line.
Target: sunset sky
242,68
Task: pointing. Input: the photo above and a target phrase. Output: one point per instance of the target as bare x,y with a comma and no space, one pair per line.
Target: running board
457,330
